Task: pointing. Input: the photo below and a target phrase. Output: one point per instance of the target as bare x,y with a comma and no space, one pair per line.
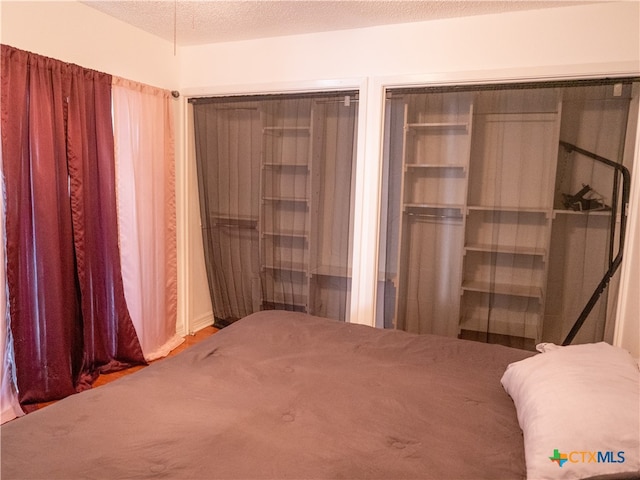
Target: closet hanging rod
276,97
235,225
231,107
621,170
436,216
337,100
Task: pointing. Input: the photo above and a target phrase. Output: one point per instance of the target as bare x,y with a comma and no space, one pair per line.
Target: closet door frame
191,272
367,294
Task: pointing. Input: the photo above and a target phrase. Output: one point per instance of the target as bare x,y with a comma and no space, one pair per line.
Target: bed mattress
286,395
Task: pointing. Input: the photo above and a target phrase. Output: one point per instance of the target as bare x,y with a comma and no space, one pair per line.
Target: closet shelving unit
509,209
480,242
306,204
333,154
476,206
285,204
436,142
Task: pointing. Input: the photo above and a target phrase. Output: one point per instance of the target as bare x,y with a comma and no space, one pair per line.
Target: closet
276,179
437,136
509,211
479,238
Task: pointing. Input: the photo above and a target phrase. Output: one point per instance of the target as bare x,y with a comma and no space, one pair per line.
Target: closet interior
275,179
492,229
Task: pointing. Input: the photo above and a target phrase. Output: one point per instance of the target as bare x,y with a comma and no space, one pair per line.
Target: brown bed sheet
285,395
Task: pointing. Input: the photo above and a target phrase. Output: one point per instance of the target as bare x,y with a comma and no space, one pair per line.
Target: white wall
75,33
576,41
560,37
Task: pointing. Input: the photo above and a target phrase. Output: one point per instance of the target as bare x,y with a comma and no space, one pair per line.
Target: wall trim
625,332
188,162
513,75
365,271
182,221
197,324
326,85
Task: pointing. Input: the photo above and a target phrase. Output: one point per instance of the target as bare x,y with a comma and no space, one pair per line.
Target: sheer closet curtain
493,227
228,138
275,181
144,137
68,315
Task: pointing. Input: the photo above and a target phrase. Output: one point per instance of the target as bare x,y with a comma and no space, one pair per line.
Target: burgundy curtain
68,314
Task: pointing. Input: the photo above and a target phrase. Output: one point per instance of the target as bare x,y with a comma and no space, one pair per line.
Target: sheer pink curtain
143,131
10,407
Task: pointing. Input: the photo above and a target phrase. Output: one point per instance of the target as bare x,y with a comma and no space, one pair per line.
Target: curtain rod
513,86
274,96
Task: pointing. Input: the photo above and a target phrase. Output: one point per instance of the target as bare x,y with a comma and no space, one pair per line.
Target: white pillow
579,410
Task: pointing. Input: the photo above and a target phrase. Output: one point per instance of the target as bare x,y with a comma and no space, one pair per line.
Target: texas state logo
559,458
586,457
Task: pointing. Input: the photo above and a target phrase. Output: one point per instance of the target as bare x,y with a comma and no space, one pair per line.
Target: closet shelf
332,271
433,206
229,221
287,267
590,213
233,218
283,165
508,249
504,208
529,291
286,199
426,166
519,116
439,126
286,233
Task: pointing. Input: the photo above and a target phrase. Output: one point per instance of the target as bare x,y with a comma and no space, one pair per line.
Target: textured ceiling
200,22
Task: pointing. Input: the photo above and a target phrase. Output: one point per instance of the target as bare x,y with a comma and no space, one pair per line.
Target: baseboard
200,322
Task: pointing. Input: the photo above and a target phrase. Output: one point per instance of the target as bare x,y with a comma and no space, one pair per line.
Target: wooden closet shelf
234,222
286,165
332,271
418,166
507,249
435,209
590,213
504,208
438,126
286,233
529,291
286,199
287,267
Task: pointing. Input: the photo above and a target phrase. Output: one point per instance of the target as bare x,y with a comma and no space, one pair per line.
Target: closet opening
276,178
492,229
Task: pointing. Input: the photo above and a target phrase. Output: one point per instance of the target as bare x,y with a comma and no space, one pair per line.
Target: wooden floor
110,377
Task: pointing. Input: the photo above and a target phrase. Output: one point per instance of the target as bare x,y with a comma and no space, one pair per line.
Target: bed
286,395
